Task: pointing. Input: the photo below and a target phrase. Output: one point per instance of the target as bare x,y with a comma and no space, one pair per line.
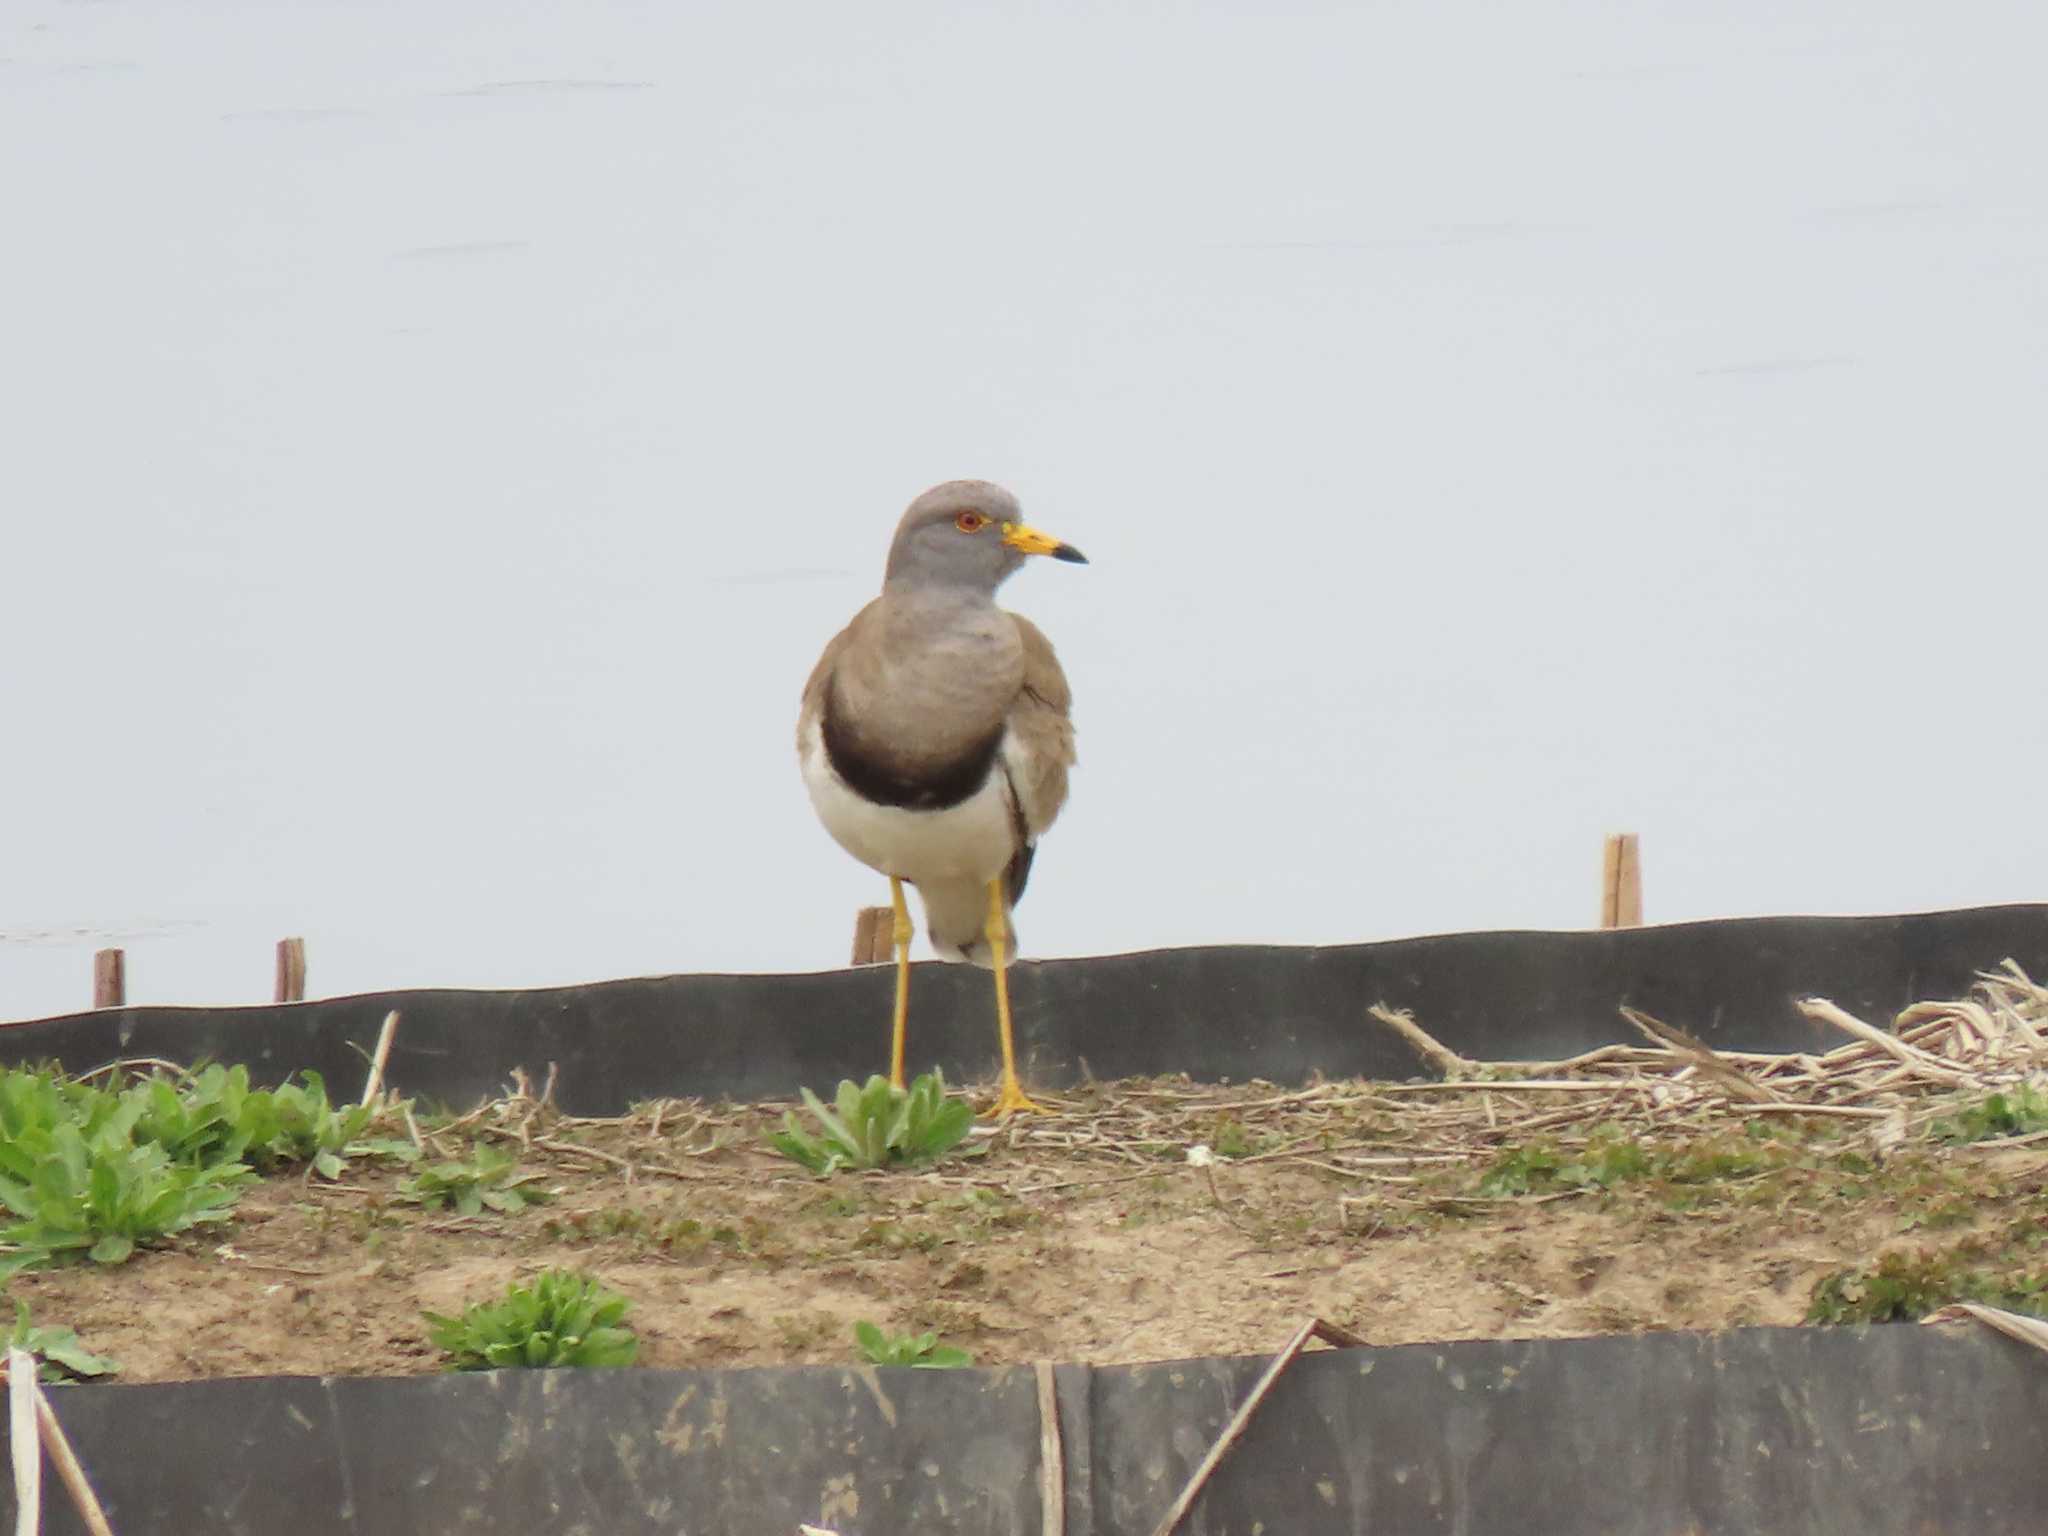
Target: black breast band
935,788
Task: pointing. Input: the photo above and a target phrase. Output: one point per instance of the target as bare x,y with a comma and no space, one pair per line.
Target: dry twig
1426,1045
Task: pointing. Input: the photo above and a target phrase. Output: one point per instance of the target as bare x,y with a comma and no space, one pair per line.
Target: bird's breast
971,836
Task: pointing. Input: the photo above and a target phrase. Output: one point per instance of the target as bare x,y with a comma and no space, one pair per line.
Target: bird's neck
942,669
936,599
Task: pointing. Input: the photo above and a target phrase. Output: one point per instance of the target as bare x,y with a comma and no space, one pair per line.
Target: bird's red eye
970,522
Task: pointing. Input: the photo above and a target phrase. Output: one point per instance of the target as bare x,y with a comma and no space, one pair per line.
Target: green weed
562,1318
2019,1113
1231,1140
919,1349
876,1125
487,1180
62,1357
1540,1167
99,1171
1901,1287
102,1195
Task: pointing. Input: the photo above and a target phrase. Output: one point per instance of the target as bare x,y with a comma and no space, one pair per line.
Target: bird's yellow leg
1012,1098
902,1017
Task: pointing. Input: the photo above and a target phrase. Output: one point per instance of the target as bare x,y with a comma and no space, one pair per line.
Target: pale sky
439,436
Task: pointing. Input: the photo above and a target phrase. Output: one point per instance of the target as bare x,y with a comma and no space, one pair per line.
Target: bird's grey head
967,534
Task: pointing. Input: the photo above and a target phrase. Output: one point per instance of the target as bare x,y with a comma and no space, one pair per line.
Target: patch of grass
2021,1112
895,1237
1684,1174
1541,1167
593,1226
489,1179
61,1357
986,1212
1902,1287
919,1349
1231,1139
797,1334
1998,1267
563,1318
876,1125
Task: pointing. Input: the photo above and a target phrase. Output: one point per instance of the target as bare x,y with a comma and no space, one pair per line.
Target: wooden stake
22,1367
291,970
874,936
1052,1459
109,979
375,1080
26,1450
1621,883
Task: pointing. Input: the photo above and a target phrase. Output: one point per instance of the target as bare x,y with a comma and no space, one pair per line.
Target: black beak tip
1071,555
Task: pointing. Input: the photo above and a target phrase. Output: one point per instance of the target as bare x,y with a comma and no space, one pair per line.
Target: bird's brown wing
1042,735
821,675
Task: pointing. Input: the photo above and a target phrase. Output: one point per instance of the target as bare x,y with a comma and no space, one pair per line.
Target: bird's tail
956,918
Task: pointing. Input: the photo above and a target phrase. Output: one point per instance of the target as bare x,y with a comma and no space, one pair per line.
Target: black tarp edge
1828,1432
1234,1012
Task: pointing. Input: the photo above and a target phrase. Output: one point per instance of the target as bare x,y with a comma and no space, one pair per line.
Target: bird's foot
1014,1101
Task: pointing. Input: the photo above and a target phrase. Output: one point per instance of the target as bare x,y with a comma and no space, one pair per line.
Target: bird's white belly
969,841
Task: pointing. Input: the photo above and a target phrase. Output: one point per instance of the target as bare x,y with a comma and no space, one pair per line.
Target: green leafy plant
1901,1287
306,1128
488,1180
214,1115
62,1357
99,1171
1607,1160
563,1318
104,1195
919,1349
2019,1113
875,1125
209,1116
1611,1157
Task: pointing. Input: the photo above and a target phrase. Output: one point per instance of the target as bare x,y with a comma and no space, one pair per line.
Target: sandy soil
1086,1235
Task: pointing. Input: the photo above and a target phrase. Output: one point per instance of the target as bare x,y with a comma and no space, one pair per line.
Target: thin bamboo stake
21,1441
375,1081
1315,1327
1052,1461
68,1469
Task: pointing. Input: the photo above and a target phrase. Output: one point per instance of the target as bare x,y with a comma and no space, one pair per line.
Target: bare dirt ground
1630,1190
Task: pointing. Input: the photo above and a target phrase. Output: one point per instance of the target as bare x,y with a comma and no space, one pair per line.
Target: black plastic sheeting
1235,1012
1826,1432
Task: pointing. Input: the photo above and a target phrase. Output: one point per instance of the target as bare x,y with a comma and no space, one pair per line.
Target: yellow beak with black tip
1031,542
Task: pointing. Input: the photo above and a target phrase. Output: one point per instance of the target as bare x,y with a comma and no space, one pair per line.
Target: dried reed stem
1825,1012
1702,1056
1425,1045
375,1082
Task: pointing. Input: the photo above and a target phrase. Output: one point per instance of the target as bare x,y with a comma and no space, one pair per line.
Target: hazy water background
438,437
